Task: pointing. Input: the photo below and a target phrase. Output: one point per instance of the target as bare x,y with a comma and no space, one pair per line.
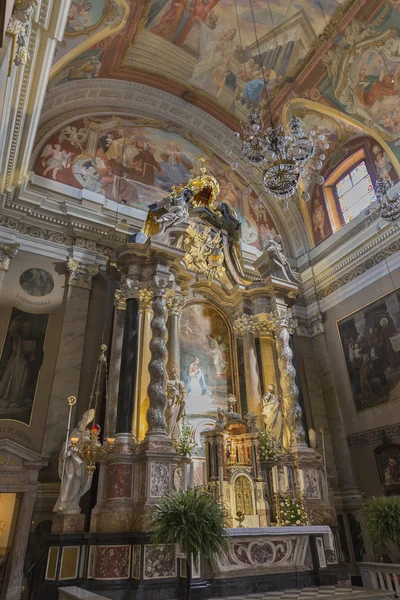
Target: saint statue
176,397
177,210
272,414
272,245
75,481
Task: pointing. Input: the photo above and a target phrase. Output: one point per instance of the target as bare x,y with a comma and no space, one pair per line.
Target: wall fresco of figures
22,357
137,164
206,363
371,344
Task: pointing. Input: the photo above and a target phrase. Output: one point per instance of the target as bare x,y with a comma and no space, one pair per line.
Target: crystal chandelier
286,155
388,207
91,450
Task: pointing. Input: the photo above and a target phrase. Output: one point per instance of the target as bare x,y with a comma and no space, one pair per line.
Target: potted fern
194,521
382,522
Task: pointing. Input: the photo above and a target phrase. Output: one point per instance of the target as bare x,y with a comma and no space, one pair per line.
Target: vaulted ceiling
334,62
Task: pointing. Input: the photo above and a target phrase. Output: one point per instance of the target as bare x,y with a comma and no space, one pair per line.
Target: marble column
175,305
115,363
7,252
15,581
158,352
142,400
246,326
284,324
268,354
128,370
69,359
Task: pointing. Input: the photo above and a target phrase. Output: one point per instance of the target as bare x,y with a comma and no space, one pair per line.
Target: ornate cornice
374,436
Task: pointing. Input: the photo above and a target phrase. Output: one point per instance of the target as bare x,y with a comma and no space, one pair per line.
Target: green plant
292,509
194,521
185,442
268,448
382,521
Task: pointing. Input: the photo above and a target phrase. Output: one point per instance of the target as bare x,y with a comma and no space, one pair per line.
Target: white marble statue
312,436
177,210
176,396
273,246
272,414
75,481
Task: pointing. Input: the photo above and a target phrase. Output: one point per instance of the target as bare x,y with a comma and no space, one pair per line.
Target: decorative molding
119,300
81,274
7,252
374,436
19,28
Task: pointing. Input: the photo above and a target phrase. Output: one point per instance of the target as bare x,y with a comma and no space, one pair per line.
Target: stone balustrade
381,576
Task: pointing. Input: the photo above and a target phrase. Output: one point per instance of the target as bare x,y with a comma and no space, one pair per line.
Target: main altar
202,391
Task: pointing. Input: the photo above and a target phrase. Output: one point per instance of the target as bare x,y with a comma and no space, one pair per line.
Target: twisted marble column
284,324
158,351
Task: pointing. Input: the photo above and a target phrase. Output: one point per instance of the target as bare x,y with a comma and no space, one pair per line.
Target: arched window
349,188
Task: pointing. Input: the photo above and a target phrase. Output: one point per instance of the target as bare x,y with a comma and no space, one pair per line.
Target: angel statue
75,481
176,396
272,415
177,210
272,245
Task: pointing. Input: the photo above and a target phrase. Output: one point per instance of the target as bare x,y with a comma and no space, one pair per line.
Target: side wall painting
136,162
20,363
371,344
206,362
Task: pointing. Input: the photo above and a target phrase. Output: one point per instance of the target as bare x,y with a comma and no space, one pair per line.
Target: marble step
322,593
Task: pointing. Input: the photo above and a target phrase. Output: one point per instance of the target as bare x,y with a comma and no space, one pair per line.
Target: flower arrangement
185,442
291,509
267,446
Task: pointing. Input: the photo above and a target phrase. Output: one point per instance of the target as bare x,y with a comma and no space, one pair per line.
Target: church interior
199,299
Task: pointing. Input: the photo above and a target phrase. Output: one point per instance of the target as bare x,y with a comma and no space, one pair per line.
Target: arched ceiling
180,62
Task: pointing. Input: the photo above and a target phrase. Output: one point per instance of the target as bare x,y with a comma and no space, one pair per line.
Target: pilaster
69,359
246,326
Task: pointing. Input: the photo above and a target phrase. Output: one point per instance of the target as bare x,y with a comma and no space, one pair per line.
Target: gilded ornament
204,253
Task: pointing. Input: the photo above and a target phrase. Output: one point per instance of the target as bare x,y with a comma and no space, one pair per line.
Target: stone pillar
141,400
175,305
7,252
284,324
128,371
247,326
69,358
15,581
268,354
115,364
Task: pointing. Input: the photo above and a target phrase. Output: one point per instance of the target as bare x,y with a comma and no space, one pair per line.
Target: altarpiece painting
206,362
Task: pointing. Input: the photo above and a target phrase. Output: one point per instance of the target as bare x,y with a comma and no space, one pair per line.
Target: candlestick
221,480
275,479
191,475
185,477
286,475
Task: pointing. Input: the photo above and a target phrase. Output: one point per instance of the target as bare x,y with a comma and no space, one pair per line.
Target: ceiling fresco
203,45
137,161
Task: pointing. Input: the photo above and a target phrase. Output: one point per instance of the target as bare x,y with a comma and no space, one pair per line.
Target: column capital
265,325
312,326
81,274
246,324
145,297
7,252
119,300
175,304
282,318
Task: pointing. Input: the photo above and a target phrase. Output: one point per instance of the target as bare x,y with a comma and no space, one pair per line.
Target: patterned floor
327,592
